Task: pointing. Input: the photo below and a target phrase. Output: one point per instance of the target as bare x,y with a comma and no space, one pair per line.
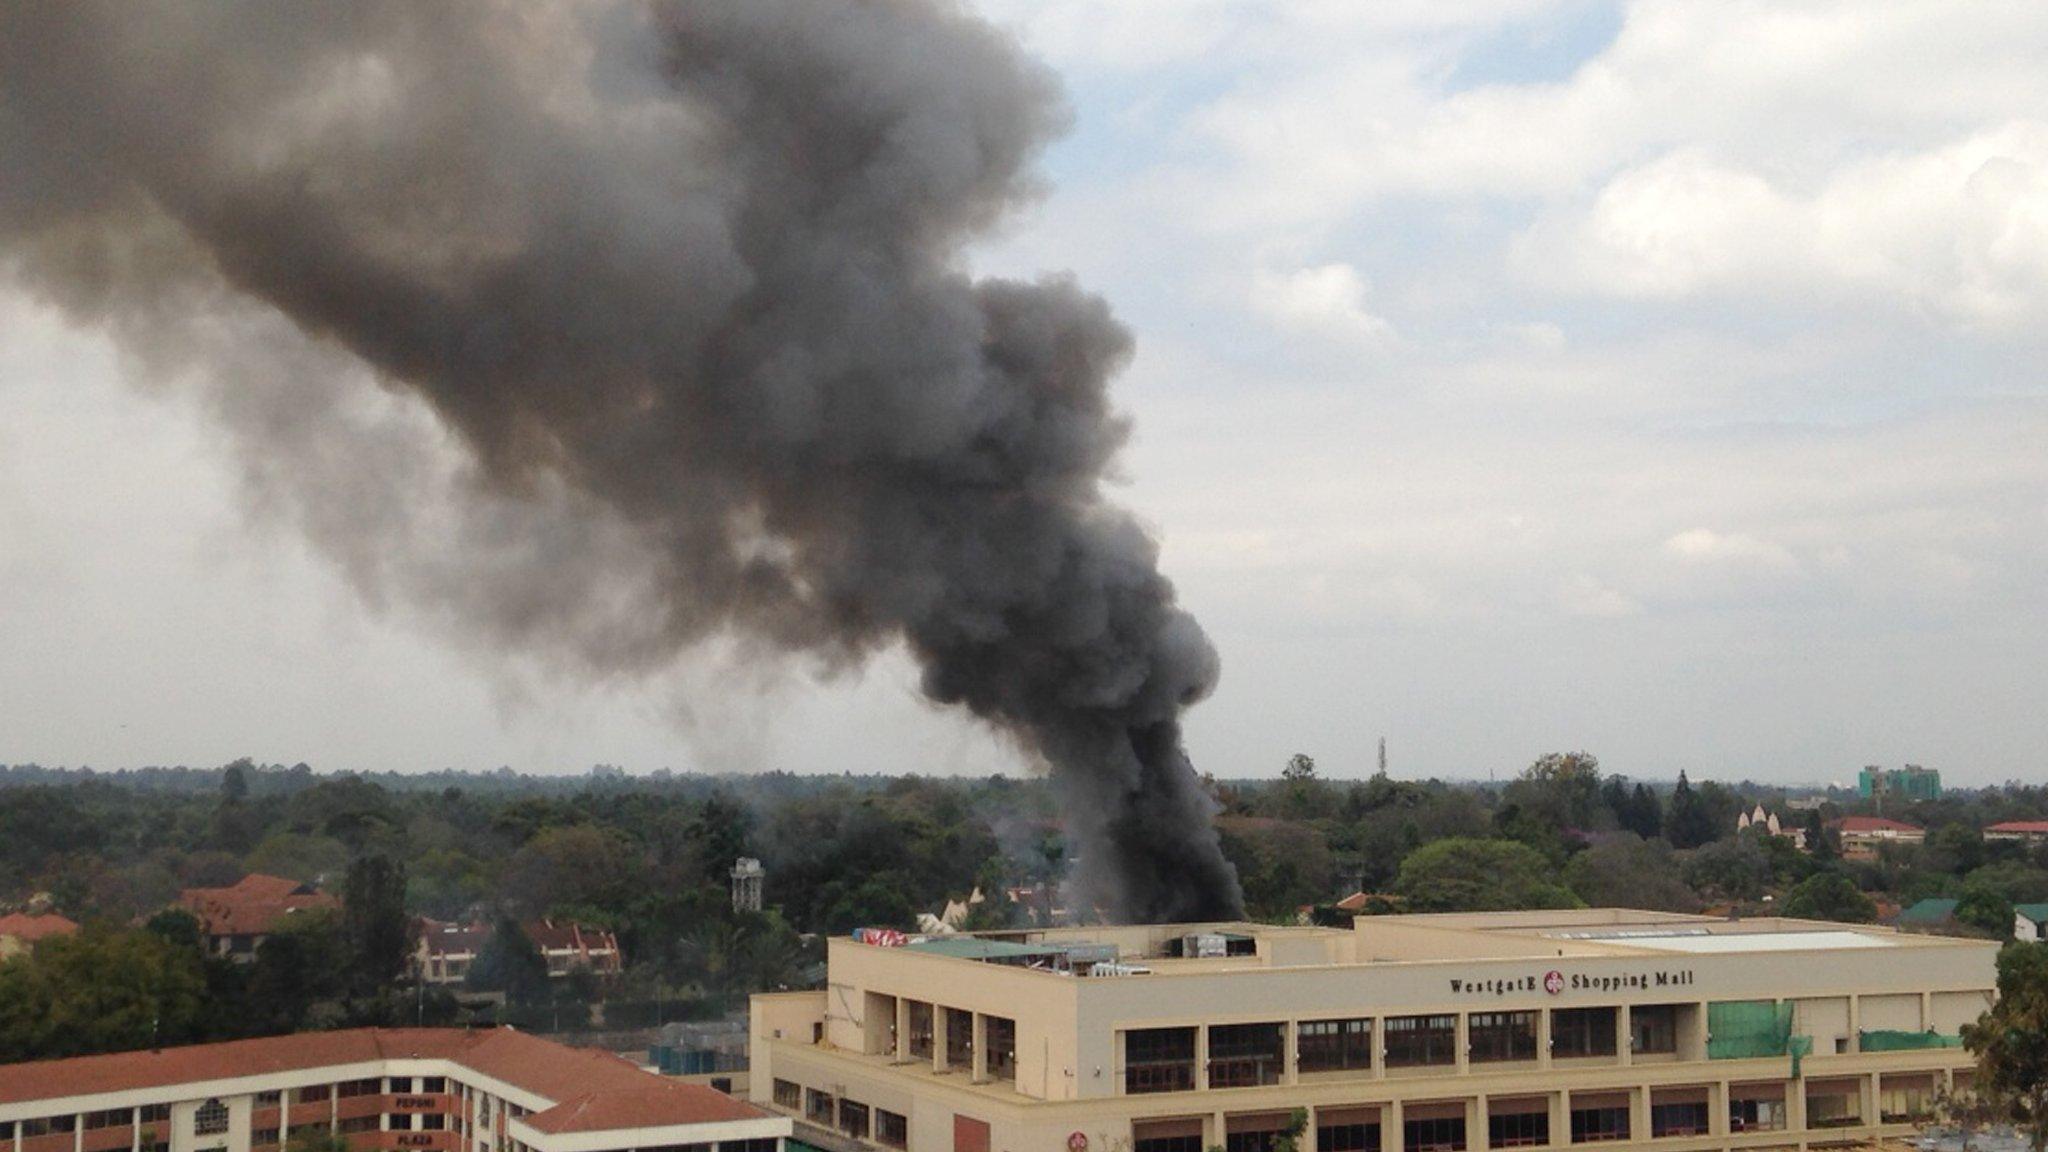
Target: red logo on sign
1077,1142
1553,982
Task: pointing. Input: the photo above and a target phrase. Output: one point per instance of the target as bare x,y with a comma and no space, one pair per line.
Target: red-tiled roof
252,906
552,1070
26,928
548,935
2030,827
1872,824
442,938
654,1106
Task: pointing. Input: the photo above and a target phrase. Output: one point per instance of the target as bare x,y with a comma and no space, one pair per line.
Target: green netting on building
1748,1029
1885,1040
1744,1029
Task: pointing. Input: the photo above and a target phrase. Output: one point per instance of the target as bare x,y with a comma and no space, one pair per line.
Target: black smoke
685,285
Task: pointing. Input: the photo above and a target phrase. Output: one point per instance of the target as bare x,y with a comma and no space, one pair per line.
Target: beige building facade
1401,1034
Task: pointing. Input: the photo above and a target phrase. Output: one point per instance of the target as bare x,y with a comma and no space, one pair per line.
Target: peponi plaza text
1401,1034
431,1090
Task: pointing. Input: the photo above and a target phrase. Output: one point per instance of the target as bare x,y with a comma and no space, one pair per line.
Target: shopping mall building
1402,1033
426,1089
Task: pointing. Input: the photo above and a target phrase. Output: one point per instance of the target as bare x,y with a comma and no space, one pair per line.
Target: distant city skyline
1653,379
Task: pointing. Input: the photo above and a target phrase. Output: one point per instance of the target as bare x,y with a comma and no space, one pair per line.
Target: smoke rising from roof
685,284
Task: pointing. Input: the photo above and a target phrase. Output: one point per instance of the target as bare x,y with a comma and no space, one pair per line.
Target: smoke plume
684,284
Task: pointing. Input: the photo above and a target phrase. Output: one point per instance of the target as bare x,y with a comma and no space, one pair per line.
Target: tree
316,1138
1738,869
100,991
1818,841
1300,766
1687,824
376,932
1830,896
2011,1041
1983,908
1629,872
1561,789
1645,813
1464,875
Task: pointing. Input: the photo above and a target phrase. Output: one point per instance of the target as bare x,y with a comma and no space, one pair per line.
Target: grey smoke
685,284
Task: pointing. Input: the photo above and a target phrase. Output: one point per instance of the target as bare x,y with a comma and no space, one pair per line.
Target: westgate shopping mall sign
1556,983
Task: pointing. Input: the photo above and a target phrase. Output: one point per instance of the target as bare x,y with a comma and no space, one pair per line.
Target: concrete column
1795,1109
1216,1137
334,1108
902,1053
1855,1024
1560,1119
941,1020
1464,1045
1476,1134
1543,1038
1717,1108
1379,1048
134,1131
1290,1052
1390,1127
1624,1035
1926,1011
1202,1065
1866,1092
1638,1113
980,1042
77,1132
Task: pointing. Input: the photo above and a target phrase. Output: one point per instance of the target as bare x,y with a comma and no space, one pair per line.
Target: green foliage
376,930
1466,875
99,991
1689,823
1561,790
2011,1041
509,962
1626,871
1830,896
312,1138
1983,908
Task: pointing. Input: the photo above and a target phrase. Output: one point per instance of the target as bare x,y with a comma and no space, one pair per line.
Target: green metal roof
2035,912
1933,910
973,948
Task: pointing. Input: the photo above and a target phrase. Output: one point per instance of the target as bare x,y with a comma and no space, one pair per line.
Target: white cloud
1327,300
1706,546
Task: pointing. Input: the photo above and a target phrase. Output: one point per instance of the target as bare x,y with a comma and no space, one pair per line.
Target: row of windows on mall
845,1114
1000,1033
1590,1118
1248,1055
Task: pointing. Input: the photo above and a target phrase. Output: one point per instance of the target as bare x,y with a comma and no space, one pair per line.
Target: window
1833,1105
788,1095
357,1088
397,1084
1441,1134
1502,1036
111,1118
155,1114
853,1119
1348,1136
1159,1060
433,1122
891,1129
1594,1124
1000,1033
1334,1046
1245,1055
1577,1032
6,1130
312,1094
960,1039
1415,1041
434,1085
1680,1119
819,1107
211,1119
920,1014
1904,1098
269,1099
1653,1028
399,1122
263,1136
1259,1140
1518,1129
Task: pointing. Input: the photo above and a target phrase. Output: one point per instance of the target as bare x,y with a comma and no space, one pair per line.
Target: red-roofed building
446,950
2029,831
434,1090
235,919
19,931
1861,836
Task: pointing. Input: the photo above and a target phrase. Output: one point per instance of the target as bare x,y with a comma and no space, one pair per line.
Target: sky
1655,379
